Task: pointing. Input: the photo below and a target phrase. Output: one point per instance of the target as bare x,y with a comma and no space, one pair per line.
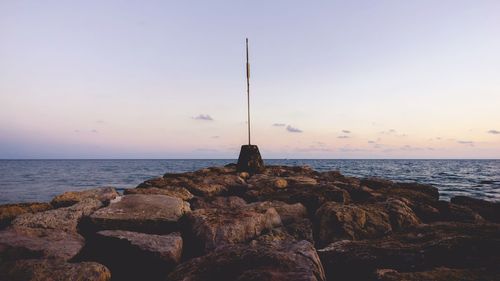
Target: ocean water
40,180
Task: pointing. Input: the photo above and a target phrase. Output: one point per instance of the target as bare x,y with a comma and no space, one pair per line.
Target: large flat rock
172,191
20,243
277,261
156,214
65,219
53,270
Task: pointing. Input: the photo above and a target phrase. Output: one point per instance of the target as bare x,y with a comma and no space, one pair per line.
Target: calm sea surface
40,180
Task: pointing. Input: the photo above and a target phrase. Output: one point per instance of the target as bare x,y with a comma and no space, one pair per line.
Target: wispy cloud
494,132
372,142
343,137
215,137
279,124
293,130
346,131
204,117
471,143
94,131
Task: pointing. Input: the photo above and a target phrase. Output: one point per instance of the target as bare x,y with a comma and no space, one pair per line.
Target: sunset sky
330,79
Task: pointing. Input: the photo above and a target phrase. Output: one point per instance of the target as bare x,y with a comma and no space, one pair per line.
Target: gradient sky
330,79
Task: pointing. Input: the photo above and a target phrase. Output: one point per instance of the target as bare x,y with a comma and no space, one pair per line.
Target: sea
41,180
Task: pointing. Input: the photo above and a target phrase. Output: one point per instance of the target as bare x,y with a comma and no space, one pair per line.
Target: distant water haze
330,79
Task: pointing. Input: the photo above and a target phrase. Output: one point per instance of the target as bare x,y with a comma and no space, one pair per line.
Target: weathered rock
280,183
274,261
156,214
377,183
288,212
438,274
488,210
26,243
65,219
336,221
400,214
205,182
311,196
217,202
103,194
172,191
250,160
457,245
453,212
300,229
207,229
135,256
10,211
53,270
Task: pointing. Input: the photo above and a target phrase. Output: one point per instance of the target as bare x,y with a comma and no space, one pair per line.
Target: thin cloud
372,142
346,131
343,137
94,131
279,125
471,143
293,130
494,132
204,117
215,137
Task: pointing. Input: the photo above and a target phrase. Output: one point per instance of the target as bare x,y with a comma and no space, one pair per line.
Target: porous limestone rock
103,194
53,270
156,214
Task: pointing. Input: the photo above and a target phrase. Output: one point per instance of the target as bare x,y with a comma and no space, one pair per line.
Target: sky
329,79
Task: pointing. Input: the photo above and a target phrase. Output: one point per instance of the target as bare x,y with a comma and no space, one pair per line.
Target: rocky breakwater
285,223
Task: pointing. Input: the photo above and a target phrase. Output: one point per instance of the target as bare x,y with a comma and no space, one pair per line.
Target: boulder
451,244
103,194
207,229
205,182
53,270
311,196
281,260
437,274
155,214
336,221
488,210
65,219
172,191
453,212
218,202
27,243
135,256
400,213
288,212
10,211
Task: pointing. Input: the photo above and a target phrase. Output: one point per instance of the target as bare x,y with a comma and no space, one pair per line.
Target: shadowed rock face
135,256
438,274
139,212
54,270
247,226
424,247
275,260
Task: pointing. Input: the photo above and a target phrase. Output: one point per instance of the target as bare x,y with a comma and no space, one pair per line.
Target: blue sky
330,79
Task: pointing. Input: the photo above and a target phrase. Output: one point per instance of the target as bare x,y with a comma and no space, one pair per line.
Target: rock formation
265,223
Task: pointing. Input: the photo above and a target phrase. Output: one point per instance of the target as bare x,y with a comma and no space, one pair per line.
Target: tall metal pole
248,93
